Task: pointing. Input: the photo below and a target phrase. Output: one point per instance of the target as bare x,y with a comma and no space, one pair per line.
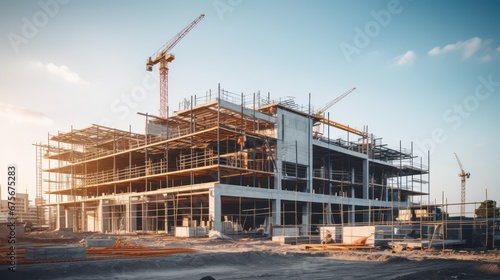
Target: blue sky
426,72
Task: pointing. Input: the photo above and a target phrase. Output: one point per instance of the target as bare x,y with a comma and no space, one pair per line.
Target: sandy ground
253,259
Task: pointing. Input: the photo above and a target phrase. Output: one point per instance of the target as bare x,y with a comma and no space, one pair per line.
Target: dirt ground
249,258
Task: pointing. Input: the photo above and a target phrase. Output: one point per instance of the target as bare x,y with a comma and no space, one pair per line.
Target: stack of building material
359,244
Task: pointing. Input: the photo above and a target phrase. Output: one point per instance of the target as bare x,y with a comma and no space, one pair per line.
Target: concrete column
310,170
330,172
280,152
386,191
366,179
352,175
366,188
58,215
352,216
166,218
310,153
128,218
353,194
306,218
132,212
144,215
83,218
68,215
277,174
100,223
214,209
276,214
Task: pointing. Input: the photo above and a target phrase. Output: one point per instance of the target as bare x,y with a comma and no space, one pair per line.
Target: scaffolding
39,201
204,143
273,172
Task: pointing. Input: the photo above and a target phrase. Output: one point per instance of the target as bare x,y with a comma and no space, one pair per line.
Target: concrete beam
246,111
339,149
239,191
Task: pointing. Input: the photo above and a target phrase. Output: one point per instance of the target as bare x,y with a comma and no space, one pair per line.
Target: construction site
249,170
235,164
221,165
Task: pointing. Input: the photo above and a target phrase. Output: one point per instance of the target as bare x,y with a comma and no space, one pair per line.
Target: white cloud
407,58
480,144
498,49
467,48
60,71
19,115
486,58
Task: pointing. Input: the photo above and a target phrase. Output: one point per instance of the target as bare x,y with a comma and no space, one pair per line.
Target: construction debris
339,247
123,249
120,249
359,244
423,244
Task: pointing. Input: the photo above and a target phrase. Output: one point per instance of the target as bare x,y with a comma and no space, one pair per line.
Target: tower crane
463,177
321,110
327,106
163,57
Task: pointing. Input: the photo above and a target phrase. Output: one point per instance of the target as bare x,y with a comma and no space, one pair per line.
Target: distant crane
463,177
327,106
164,57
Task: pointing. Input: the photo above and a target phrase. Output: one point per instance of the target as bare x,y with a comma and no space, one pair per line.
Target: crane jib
164,57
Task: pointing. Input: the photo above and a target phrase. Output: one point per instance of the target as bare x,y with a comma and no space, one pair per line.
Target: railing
336,175
248,101
410,165
185,162
123,174
198,159
406,187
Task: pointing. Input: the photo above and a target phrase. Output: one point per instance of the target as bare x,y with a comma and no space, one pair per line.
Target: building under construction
230,163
